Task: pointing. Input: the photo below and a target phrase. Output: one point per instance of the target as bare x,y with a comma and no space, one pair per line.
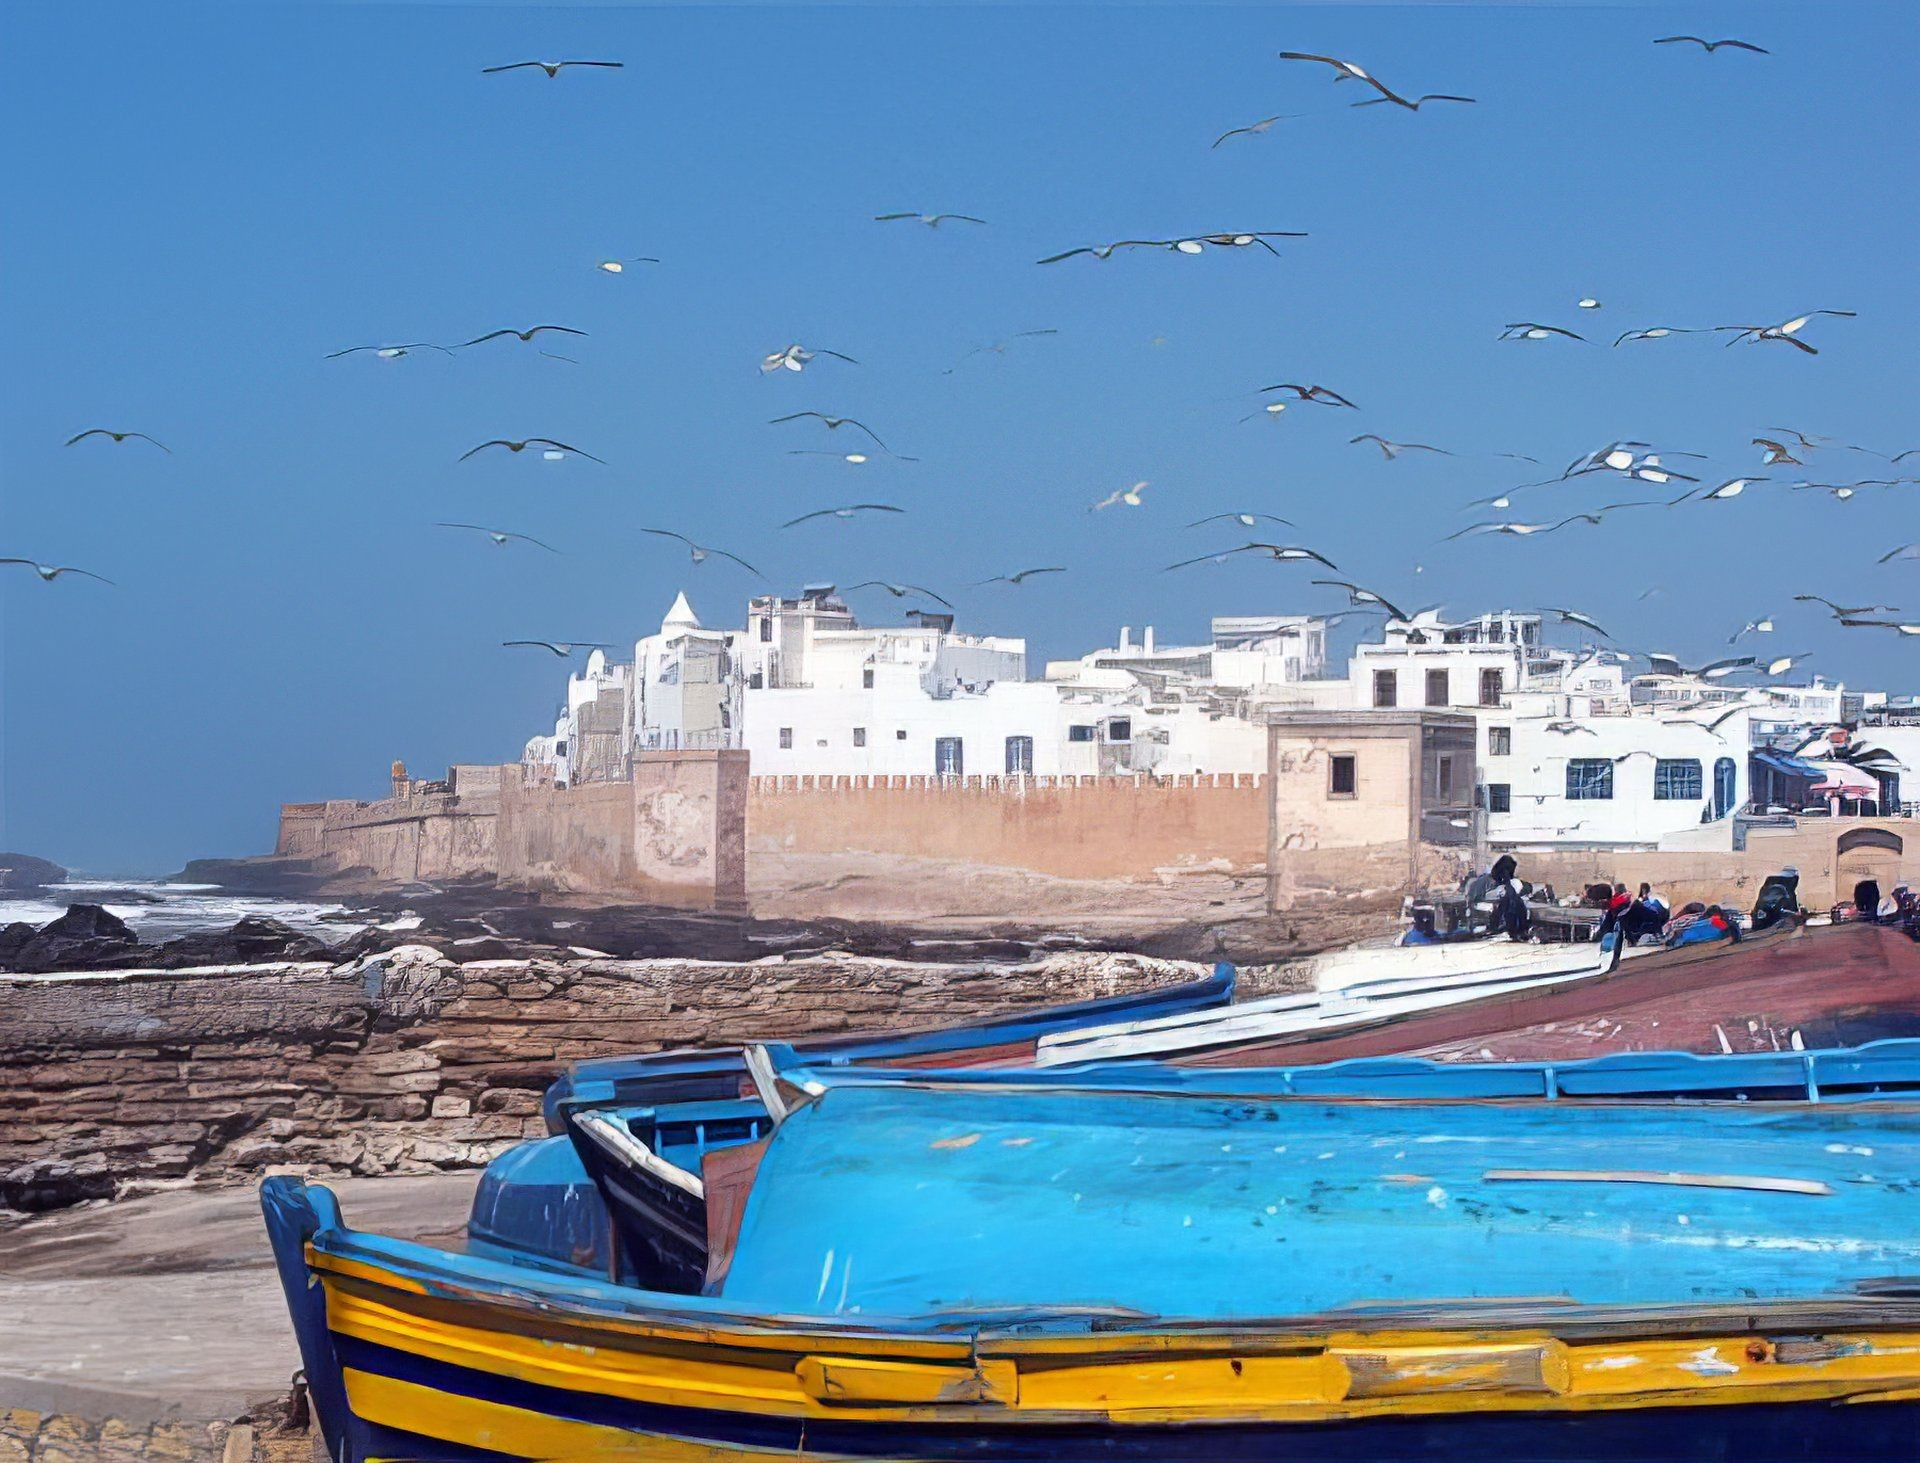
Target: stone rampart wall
405,1062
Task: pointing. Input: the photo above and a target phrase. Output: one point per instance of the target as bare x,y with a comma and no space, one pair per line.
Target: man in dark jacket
1779,898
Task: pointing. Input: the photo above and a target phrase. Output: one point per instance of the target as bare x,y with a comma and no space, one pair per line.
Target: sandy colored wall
1826,874
674,835
1305,816
398,1065
1071,828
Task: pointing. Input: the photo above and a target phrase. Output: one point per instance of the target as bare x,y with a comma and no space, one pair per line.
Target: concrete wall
407,1062
429,835
1072,828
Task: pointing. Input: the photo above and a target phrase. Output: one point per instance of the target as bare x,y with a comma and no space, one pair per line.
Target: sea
157,911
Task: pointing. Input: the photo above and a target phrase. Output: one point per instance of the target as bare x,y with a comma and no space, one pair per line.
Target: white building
1425,662
1555,774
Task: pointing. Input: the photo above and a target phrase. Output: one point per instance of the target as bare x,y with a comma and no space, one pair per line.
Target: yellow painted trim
1192,1377
477,1424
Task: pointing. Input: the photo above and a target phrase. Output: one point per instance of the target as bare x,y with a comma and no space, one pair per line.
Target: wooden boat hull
419,1356
1831,986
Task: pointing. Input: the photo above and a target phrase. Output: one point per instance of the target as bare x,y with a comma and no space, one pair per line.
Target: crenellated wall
1066,827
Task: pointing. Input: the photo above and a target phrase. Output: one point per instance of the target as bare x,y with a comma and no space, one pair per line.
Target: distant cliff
22,871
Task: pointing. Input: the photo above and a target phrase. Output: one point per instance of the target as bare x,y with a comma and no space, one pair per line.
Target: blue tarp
1788,763
909,1200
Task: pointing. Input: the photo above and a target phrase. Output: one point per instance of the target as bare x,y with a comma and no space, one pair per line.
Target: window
1343,773
1080,733
560,747
1386,691
901,735
1437,689
1019,756
1120,729
1499,797
947,758
786,738
756,681
1589,779
1445,779
1723,779
1499,741
859,736
766,631
866,679
1492,685
1677,779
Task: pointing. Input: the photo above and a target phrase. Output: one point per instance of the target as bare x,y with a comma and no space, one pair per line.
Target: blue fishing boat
1638,1257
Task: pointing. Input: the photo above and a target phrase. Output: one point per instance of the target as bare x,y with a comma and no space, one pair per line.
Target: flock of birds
1634,462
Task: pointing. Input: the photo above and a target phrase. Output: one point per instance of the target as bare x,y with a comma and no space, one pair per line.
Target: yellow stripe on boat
1135,1380
478,1424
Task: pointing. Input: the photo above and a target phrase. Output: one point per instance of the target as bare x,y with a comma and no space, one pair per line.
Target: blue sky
213,197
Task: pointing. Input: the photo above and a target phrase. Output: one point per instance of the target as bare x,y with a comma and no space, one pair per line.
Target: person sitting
1646,917
1779,898
1421,931
1617,906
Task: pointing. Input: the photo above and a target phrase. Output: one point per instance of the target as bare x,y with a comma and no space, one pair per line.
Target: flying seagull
50,572
117,437
1318,394
1279,553
1712,46
1782,664
1129,496
562,648
1574,617
856,458
554,450
552,68
1271,411
795,358
1904,629
1357,595
931,220
1568,728
1761,626
846,512
1660,332
1245,520
523,335
1020,577
1787,330
1713,670
898,591
1195,244
1533,330
834,424
1905,551
1415,104
389,352
1587,302
1731,488
1391,450
1775,452
1348,69
1527,530
701,552
998,347
500,536
1844,612
619,266
1252,129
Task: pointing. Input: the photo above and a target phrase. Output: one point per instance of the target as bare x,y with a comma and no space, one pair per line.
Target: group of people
1497,904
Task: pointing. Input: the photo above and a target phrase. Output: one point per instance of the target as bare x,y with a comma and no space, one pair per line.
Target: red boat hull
1839,985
